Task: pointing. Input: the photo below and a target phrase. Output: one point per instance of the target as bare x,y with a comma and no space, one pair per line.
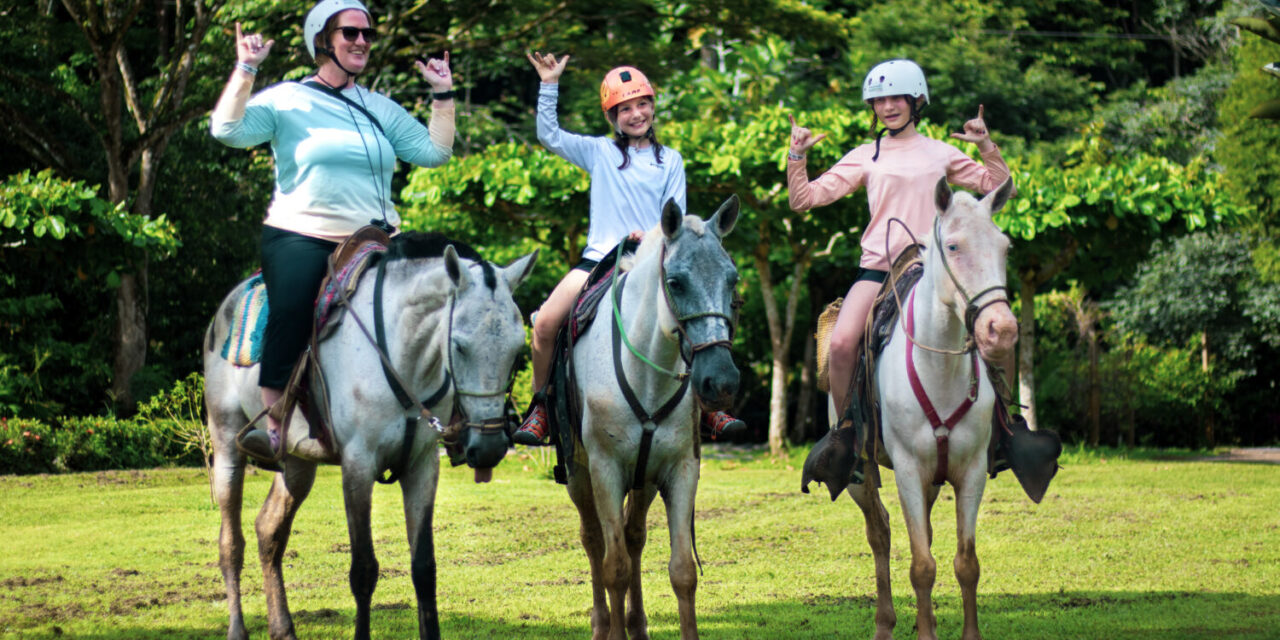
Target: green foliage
89,444
1250,149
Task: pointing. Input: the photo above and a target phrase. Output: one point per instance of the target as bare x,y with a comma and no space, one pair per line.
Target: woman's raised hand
250,49
802,139
975,131
549,69
436,72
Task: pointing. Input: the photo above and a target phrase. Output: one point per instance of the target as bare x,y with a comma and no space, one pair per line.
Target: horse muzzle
714,378
484,446
996,332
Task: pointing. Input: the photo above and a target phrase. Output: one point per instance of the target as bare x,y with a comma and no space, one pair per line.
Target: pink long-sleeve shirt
900,184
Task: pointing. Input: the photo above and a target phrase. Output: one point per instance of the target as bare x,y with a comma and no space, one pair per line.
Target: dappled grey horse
936,401
673,311
452,333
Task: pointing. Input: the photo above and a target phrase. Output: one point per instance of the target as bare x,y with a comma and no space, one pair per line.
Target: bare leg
850,325
593,542
551,316
867,496
274,523
679,497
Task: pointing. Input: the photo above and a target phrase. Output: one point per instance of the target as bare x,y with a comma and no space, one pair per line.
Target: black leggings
292,267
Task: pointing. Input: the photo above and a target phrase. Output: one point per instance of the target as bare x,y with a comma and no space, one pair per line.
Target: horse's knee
924,571
966,564
363,577
684,577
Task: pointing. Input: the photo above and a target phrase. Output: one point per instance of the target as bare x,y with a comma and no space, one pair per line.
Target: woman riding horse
335,146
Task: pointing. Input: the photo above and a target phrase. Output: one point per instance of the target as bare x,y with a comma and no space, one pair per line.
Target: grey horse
451,326
673,309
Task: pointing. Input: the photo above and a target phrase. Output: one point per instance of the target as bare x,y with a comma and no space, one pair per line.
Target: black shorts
586,265
873,275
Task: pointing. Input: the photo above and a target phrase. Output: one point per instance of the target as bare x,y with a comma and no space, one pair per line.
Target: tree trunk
781,327
1208,406
804,424
131,337
1095,387
1027,349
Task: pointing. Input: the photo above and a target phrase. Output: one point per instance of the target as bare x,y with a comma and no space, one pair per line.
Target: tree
129,95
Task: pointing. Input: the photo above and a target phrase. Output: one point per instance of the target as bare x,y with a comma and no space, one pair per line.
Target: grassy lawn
1157,547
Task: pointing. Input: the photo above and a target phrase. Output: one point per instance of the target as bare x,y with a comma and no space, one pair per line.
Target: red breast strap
939,474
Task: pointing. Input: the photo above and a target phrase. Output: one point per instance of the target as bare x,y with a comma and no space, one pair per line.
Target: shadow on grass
1083,615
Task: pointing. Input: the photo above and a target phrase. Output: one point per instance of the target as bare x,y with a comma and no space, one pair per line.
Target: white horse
941,431
453,332
673,311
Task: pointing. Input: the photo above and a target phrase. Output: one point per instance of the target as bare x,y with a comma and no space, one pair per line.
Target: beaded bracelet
247,68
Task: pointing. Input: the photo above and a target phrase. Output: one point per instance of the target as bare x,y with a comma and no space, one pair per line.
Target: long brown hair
624,142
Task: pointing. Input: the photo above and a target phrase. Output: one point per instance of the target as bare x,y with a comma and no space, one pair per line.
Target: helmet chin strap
333,55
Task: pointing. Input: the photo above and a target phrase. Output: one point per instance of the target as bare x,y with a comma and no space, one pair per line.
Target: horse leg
867,497
581,493
418,487
274,523
917,494
357,494
636,533
679,496
968,497
226,480
615,566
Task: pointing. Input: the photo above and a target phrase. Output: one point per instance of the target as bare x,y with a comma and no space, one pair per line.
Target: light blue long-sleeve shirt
333,167
623,200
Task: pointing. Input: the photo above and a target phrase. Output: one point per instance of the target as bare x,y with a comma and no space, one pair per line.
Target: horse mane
411,245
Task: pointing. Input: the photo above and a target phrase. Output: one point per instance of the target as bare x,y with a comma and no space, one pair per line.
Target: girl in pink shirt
899,173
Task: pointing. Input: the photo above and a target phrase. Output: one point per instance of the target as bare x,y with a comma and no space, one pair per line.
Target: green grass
1122,547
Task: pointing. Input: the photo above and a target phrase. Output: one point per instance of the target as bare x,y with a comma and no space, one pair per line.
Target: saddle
306,388
838,458
561,397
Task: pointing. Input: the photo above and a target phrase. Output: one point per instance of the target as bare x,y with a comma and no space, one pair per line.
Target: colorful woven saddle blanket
243,346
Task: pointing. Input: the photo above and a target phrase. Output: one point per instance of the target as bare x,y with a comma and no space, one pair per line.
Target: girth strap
648,422
941,428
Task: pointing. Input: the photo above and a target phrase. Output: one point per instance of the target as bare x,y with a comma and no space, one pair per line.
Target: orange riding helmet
623,84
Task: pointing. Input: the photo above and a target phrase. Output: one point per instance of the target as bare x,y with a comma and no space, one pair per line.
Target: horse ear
1001,195
726,216
457,271
672,218
517,271
942,194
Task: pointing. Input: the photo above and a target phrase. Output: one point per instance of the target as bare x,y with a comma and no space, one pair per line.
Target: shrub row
93,444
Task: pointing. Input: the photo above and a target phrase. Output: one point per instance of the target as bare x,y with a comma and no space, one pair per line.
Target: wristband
247,68
442,95
794,156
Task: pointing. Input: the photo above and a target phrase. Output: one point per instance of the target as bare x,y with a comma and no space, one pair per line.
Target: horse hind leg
867,497
580,491
226,483
636,533
273,525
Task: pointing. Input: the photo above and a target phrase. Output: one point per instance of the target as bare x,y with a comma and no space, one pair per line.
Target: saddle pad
328,313
243,346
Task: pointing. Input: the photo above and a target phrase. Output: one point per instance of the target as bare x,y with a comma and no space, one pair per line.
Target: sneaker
534,430
720,423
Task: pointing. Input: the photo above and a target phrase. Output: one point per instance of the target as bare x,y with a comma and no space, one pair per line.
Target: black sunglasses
350,33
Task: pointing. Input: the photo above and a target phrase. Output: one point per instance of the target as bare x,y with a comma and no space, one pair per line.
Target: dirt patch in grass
21,581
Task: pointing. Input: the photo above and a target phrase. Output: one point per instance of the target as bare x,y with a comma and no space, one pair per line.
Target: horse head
486,333
699,278
973,252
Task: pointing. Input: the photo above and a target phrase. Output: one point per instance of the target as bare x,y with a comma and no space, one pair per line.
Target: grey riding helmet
320,14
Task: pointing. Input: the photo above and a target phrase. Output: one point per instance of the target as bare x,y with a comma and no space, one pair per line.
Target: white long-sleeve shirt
624,200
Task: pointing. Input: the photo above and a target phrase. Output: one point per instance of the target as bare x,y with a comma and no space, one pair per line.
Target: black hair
624,142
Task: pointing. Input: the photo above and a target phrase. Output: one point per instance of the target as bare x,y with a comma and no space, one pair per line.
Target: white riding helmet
320,14
895,78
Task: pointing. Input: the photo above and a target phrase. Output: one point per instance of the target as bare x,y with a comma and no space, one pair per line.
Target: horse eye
674,285
953,247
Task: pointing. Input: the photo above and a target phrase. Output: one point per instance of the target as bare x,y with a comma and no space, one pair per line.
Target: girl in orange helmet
632,176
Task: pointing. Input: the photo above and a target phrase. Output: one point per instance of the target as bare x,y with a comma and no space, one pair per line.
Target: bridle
971,310
681,331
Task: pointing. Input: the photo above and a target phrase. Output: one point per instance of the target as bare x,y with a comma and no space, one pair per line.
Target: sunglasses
350,33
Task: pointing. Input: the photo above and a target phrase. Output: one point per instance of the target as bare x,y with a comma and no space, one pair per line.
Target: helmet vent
625,76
